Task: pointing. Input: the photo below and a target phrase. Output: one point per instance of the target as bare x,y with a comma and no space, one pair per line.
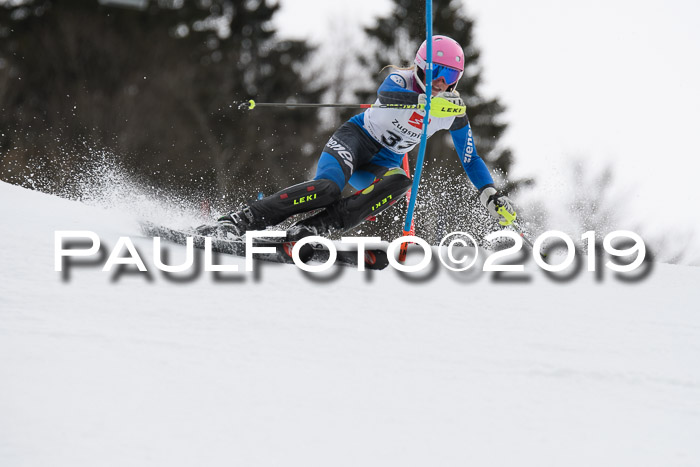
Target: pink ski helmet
448,61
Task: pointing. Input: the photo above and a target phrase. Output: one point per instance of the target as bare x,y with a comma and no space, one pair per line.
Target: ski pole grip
250,105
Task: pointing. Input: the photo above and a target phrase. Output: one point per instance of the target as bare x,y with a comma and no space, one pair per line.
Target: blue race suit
375,140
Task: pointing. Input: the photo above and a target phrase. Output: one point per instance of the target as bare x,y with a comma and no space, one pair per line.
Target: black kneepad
373,199
304,197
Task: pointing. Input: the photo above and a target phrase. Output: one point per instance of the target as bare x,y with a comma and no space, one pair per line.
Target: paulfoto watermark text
622,252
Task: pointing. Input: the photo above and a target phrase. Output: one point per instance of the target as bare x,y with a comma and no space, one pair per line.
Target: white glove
452,97
498,205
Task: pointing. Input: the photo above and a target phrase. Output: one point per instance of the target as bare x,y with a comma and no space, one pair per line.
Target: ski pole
525,238
511,222
251,104
522,235
403,251
408,223
444,109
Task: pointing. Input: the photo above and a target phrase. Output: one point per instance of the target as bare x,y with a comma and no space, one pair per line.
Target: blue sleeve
474,165
394,91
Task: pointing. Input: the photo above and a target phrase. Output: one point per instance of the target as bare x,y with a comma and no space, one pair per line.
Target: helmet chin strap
417,78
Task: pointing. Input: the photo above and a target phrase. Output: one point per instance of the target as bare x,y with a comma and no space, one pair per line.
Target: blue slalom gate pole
426,119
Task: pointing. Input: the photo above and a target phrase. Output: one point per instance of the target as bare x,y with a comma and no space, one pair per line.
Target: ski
373,259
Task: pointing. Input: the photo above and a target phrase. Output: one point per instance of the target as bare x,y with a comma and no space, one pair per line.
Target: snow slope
279,368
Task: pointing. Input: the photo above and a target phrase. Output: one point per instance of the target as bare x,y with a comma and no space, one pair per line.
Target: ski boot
235,224
318,225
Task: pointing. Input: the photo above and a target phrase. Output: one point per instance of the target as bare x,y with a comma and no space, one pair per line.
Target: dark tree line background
157,86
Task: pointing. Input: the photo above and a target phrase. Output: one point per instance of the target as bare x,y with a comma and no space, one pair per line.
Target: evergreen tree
156,85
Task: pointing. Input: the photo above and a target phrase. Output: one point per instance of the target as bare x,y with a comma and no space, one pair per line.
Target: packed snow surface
281,368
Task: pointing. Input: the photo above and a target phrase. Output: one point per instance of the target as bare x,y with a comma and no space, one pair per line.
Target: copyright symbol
460,240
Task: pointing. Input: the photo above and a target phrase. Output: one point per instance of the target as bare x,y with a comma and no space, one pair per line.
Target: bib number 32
395,141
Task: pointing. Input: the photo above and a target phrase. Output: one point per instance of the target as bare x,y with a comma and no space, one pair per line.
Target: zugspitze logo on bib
416,120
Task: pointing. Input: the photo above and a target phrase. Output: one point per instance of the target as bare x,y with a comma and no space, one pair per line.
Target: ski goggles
450,75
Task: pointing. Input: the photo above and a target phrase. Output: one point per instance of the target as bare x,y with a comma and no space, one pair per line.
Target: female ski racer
367,152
